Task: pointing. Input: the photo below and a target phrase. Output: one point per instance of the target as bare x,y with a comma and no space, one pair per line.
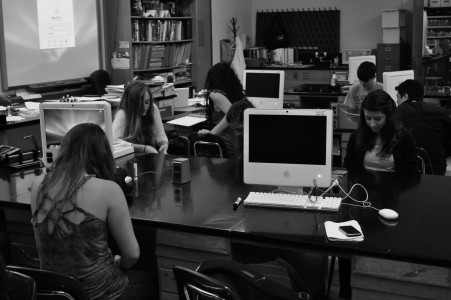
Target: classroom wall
360,20
222,11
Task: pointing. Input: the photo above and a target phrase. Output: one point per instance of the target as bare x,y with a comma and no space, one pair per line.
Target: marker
237,203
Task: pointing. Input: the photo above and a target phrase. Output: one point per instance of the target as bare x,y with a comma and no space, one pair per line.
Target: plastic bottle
333,80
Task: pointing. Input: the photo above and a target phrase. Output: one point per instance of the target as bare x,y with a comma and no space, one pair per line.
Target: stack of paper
334,234
115,90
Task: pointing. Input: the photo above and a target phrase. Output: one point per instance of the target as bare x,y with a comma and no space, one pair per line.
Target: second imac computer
57,118
264,88
288,147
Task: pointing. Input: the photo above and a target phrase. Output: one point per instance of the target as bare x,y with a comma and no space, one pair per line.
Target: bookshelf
159,38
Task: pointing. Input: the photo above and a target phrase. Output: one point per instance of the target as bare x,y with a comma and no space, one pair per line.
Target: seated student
429,123
381,142
235,118
74,206
138,120
366,72
223,88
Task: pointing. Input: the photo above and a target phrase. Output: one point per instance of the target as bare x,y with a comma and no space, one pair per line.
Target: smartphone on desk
349,230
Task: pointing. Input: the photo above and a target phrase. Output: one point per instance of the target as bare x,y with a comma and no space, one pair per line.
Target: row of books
161,30
160,56
256,52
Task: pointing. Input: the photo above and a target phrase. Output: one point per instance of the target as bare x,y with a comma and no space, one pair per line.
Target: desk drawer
399,280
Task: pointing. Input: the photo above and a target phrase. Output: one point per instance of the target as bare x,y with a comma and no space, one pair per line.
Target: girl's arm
161,140
120,224
223,103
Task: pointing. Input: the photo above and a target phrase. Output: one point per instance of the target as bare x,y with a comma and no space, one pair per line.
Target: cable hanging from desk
308,29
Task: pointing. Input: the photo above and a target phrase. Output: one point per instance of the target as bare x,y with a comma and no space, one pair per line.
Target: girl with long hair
381,142
138,120
223,88
74,206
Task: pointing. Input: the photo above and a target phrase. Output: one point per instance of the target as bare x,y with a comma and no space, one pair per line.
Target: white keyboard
293,201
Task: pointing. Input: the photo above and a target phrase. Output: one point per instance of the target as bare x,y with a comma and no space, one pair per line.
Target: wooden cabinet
177,45
176,248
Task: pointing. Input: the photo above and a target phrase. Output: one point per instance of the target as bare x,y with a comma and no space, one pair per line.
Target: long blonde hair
84,149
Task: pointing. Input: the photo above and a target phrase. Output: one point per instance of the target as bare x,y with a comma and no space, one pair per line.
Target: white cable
347,112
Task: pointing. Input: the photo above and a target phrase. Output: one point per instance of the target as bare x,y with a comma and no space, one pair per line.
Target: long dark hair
221,77
132,103
84,149
379,100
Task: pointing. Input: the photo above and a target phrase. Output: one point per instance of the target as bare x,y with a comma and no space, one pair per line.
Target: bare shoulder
107,190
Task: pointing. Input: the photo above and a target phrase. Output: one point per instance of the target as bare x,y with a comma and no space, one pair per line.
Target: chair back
20,286
193,285
208,146
53,285
425,165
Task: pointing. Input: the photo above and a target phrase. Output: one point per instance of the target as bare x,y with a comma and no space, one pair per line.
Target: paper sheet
334,234
187,121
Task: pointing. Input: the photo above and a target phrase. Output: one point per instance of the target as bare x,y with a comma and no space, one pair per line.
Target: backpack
251,285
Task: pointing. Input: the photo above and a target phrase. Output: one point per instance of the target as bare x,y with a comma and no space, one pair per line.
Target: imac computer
288,147
392,79
57,118
264,88
354,63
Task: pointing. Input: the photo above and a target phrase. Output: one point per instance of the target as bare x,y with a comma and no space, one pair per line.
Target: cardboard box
393,18
393,35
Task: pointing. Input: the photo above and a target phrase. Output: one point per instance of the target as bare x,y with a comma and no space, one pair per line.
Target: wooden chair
53,285
192,285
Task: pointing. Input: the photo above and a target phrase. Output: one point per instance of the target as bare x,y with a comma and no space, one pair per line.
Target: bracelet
144,148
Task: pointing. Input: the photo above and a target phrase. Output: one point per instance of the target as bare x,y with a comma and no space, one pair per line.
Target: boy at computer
366,72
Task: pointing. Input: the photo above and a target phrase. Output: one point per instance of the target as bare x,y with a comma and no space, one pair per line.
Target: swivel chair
192,285
19,286
53,285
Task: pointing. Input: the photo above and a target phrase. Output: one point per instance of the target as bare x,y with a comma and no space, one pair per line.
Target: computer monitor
354,63
288,147
57,118
264,88
392,79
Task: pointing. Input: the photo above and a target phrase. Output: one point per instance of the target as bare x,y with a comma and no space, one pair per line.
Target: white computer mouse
388,214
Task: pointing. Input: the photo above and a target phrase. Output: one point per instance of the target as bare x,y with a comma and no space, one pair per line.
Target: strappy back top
79,249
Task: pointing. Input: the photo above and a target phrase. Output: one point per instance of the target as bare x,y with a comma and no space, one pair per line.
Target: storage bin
445,3
393,35
394,17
